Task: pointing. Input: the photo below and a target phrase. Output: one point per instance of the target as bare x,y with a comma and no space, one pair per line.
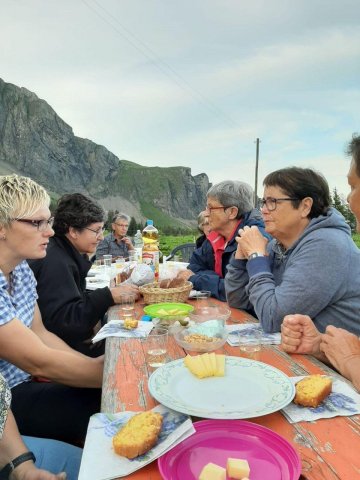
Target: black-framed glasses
209,209
41,225
271,202
97,232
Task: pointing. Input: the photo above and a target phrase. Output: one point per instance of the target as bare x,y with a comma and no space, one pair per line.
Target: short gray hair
121,216
233,193
20,197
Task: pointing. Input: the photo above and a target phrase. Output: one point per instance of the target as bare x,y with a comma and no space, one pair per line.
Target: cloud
195,83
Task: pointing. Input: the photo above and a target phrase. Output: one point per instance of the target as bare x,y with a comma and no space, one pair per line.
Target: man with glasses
311,266
230,206
67,308
116,243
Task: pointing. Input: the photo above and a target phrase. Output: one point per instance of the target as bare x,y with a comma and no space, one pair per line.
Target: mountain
36,142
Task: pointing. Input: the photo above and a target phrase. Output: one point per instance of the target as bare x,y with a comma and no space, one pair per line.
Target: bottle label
151,258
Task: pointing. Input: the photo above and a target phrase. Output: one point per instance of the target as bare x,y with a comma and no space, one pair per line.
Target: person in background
67,308
337,346
311,266
230,206
60,408
203,227
50,455
116,243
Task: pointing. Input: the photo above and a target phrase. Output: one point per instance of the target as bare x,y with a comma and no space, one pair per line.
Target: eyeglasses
41,225
271,202
208,209
122,225
97,232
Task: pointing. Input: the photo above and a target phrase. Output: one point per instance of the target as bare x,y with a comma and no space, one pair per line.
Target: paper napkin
342,401
115,328
100,462
247,330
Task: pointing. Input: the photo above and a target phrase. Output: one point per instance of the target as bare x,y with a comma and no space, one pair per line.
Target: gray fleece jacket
319,276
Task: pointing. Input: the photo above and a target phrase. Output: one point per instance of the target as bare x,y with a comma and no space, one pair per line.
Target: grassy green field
168,242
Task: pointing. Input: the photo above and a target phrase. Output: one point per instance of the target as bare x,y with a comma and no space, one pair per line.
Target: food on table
237,468
165,283
199,338
312,390
124,275
172,311
130,323
138,435
211,471
172,283
206,365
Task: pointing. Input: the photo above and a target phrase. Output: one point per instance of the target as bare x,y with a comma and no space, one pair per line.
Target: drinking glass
202,300
127,306
133,257
250,344
97,264
155,346
107,260
119,262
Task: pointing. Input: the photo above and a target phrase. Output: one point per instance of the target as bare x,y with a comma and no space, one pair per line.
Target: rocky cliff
36,142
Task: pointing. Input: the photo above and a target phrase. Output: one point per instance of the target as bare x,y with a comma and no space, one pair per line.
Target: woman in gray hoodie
337,346
311,266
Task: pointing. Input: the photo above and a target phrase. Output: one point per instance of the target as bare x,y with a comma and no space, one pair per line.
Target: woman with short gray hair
229,207
233,192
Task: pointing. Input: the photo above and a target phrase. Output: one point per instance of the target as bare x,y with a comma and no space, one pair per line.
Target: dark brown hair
299,183
77,211
353,149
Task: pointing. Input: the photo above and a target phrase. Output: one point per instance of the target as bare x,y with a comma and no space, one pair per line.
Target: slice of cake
138,435
312,390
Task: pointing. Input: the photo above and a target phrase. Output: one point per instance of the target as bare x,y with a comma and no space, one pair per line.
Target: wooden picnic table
328,448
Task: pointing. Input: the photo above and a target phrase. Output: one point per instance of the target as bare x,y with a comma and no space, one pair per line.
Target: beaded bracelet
6,471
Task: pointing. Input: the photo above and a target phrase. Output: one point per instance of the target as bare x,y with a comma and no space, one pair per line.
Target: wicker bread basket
152,293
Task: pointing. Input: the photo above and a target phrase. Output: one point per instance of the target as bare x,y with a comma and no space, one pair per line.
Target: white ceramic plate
248,389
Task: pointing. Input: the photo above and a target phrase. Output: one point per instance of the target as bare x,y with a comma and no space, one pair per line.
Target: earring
3,237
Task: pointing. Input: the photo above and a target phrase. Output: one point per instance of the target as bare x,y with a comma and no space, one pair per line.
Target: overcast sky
194,83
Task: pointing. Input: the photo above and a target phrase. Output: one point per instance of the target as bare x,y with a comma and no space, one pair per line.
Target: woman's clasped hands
250,240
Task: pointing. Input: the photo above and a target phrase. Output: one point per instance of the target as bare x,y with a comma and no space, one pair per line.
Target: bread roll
176,282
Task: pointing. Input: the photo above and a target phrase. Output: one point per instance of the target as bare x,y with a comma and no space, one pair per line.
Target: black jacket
67,308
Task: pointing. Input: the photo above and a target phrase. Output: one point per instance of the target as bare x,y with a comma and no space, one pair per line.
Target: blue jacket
319,276
202,261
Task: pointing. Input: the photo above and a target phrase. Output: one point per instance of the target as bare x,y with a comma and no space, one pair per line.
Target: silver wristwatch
254,255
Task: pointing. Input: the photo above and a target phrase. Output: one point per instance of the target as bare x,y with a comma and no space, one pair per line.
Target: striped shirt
19,304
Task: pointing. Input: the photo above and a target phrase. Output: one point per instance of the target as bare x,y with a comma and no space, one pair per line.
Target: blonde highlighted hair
20,197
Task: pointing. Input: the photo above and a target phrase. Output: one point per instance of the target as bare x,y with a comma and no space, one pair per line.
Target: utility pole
256,171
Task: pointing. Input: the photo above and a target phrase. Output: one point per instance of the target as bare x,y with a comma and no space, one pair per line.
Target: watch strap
255,255
6,471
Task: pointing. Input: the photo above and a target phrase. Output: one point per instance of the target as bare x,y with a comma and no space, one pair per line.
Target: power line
164,67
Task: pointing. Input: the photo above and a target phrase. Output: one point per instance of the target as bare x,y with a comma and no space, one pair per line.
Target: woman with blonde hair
61,407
